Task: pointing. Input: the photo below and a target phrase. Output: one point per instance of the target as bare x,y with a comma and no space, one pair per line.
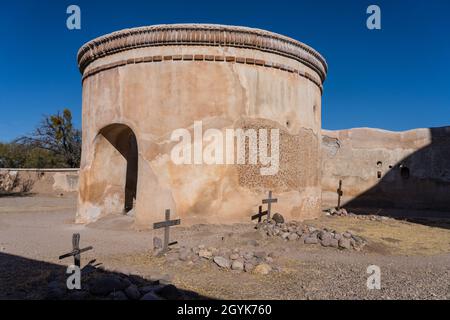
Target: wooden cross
269,202
260,214
166,225
340,193
76,251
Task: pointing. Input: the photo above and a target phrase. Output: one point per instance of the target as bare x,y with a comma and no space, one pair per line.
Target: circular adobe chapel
146,90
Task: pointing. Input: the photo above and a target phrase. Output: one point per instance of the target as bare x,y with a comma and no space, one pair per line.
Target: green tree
15,155
55,139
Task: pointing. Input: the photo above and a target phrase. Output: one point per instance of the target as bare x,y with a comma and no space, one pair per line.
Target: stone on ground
344,243
311,240
169,292
278,218
248,267
132,292
222,262
203,253
237,265
234,256
260,254
104,285
262,269
293,237
150,296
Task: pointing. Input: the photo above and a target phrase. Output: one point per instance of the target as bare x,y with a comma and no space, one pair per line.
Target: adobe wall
39,181
384,169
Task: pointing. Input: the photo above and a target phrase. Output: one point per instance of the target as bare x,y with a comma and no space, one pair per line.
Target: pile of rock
97,284
372,217
237,260
342,212
296,231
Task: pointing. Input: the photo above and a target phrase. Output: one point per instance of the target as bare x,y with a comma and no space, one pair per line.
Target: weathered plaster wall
380,168
156,90
39,181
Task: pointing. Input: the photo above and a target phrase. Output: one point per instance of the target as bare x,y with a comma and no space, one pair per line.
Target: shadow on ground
27,279
16,194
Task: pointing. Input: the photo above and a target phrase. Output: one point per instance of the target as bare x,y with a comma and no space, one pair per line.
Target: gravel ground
34,231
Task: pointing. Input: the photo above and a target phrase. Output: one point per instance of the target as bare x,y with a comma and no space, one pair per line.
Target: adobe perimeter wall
39,181
378,168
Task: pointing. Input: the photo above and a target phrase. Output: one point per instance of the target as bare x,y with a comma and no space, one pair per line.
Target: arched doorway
123,140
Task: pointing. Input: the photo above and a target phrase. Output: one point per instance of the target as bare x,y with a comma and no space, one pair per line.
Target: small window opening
404,172
379,173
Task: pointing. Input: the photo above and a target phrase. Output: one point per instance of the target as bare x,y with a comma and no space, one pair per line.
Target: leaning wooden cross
260,214
76,251
166,225
269,202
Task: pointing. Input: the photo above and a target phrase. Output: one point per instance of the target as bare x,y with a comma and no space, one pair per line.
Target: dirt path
414,259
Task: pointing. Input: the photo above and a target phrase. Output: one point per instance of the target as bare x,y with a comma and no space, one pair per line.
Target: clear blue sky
397,78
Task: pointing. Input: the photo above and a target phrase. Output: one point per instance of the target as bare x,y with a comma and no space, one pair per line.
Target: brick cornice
201,34
205,58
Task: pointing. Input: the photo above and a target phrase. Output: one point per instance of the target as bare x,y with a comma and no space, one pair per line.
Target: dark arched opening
123,139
